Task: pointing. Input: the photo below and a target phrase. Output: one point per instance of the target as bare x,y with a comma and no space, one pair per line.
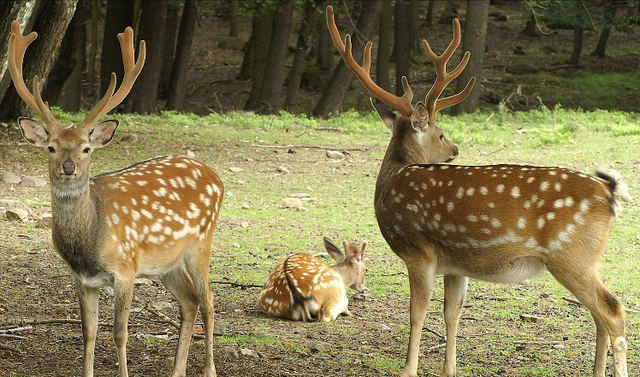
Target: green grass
343,208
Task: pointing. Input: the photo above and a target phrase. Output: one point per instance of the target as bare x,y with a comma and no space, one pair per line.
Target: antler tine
443,78
132,69
17,47
401,104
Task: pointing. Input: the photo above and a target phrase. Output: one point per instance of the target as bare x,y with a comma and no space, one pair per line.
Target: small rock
235,169
15,205
244,224
16,214
143,281
190,153
8,177
161,305
531,318
248,352
30,181
129,138
319,347
335,155
236,245
282,169
229,353
294,203
558,346
245,206
302,196
45,221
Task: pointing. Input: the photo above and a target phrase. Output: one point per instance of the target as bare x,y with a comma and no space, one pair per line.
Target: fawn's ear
103,133
353,251
333,250
388,117
33,132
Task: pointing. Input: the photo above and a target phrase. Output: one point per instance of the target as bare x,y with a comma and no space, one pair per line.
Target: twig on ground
238,285
571,300
11,336
434,332
437,346
46,322
311,147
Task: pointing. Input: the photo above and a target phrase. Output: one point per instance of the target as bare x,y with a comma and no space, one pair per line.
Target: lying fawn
153,218
302,288
499,223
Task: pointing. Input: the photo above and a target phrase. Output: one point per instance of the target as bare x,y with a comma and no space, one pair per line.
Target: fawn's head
70,147
415,125
350,263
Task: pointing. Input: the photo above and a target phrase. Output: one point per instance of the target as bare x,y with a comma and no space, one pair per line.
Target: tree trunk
93,49
246,69
71,99
342,77
51,25
414,26
261,34
384,48
178,86
152,27
169,54
68,62
295,75
119,15
9,11
325,49
234,19
610,8
430,13
401,43
473,40
578,38
274,74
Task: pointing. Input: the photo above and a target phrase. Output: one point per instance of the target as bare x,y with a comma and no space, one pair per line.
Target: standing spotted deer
499,223
302,288
153,218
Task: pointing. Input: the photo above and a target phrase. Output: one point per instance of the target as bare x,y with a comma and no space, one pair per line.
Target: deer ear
333,250
33,132
420,118
103,133
387,116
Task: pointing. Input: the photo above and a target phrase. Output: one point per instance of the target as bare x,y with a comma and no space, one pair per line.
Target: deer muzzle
68,167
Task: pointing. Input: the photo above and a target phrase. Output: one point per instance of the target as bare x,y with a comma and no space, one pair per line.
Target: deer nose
68,167
455,150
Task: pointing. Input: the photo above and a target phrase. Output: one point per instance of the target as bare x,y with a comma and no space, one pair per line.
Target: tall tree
473,40
152,27
23,11
178,83
324,49
278,48
51,25
262,26
401,42
119,15
342,76
610,8
295,74
71,61
384,47
171,32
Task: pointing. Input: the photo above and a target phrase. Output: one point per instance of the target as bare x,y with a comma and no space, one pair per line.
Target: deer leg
178,282
607,311
198,268
88,297
421,282
123,290
455,290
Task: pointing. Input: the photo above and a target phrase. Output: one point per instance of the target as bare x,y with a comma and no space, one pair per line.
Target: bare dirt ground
36,286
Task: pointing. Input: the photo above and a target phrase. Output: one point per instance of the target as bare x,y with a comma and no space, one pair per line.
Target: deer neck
403,150
76,230
345,273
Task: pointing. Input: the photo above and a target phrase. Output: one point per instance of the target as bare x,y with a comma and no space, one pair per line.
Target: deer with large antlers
499,223
154,218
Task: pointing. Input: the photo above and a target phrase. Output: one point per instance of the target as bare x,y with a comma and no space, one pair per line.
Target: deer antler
401,104
17,46
131,71
443,78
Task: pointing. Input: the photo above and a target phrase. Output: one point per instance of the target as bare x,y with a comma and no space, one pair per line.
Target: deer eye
86,150
51,149
441,136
